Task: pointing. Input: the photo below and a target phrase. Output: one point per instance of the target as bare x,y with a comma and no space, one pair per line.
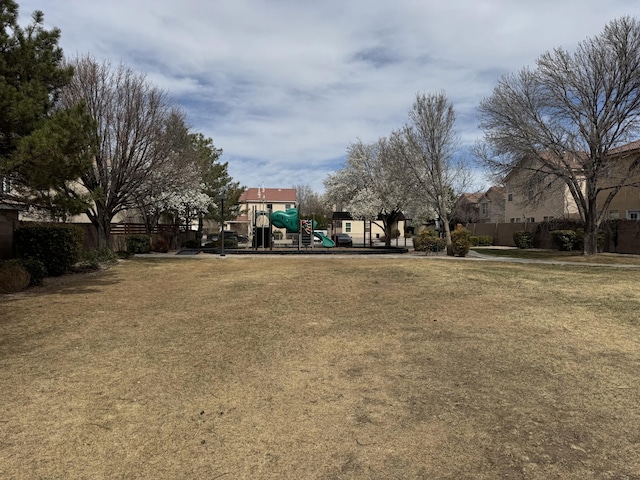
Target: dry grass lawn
323,368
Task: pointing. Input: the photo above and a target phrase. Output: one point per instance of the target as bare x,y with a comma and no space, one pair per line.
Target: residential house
256,204
363,231
535,197
491,205
466,209
481,207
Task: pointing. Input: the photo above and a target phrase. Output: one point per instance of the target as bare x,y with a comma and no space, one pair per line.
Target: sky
285,86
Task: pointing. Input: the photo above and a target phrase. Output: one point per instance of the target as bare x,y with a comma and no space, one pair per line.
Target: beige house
256,204
487,207
531,197
361,231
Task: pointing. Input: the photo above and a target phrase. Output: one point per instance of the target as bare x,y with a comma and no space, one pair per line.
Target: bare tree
430,163
568,119
311,202
132,136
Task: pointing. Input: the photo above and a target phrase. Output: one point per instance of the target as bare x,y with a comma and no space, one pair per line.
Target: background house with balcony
255,206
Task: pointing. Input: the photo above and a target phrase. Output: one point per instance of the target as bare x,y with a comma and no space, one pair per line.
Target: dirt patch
369,368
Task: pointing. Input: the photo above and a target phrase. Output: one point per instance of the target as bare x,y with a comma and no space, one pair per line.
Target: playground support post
221,198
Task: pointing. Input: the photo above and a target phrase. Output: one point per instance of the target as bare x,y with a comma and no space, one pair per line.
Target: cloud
284,86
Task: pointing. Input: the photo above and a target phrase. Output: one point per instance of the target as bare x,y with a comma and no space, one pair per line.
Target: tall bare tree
433,171
568,118
132,136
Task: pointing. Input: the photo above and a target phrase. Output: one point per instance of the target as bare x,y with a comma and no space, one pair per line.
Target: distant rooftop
256,195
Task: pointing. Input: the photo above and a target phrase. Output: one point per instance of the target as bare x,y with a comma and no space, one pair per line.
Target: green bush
57,245
429,241
565,240
523,239
460,242
96,257
138,244
13,277
481,240
190,244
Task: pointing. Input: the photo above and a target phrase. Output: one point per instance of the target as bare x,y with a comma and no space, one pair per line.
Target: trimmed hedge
565,240
138,243
460,242
481,240
523,239
57,245
429,241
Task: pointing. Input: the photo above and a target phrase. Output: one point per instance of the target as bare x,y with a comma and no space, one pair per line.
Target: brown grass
323,368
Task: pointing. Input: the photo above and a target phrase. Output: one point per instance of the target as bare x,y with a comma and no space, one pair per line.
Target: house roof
341,216
256,195
471,197
629,147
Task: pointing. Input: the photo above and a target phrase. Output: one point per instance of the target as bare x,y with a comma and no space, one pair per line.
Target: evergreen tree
42,148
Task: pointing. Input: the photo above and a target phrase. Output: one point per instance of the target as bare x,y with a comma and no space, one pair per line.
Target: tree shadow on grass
71,284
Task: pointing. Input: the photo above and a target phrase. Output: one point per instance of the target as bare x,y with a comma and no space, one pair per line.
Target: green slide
326,241
290,221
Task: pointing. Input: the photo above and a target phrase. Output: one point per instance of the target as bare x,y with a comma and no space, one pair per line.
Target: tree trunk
590,236
103,229
387,234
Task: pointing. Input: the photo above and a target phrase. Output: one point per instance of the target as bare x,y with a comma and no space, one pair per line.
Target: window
269,206
510,197
484,208
530,219
546,219
347,227
633,215
614,214
287,206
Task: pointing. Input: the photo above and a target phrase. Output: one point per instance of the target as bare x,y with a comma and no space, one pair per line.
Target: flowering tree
369,185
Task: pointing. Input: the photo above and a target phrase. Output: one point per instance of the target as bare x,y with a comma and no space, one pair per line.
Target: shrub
96,257
162,246
565,240
523,239
460,242
428,241
123,254
138,244
57,245
36,269
481,240
189,244
228,242
13,277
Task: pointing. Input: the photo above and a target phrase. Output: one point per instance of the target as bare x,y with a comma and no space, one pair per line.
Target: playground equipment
290,221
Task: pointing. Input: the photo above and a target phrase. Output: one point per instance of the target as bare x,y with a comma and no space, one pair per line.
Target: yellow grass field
323,368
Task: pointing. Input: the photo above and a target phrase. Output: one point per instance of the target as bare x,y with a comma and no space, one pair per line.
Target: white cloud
284,86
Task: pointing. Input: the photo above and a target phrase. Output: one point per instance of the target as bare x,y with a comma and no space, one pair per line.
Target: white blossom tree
369,185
